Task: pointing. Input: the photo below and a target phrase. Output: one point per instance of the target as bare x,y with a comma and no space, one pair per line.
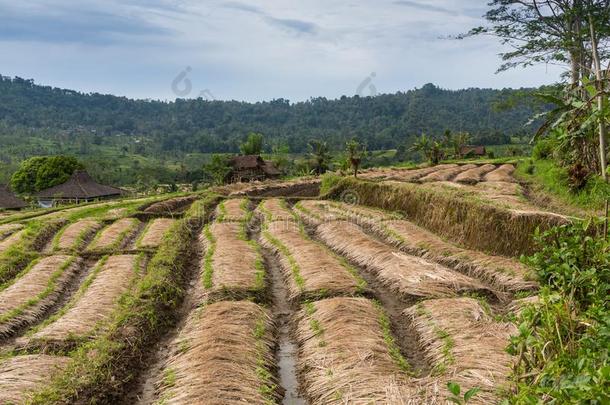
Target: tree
430,148
253,145
39,173
573,32
457,142
319,153
355,152
547,31
279,157
217,168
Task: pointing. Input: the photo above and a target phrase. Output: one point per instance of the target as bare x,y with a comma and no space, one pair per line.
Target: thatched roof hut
9,201
251,168
78,188
473,150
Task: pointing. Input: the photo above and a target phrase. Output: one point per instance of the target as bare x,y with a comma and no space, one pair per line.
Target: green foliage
123,141
562,342
320,155
39,173
253,144
455,391
543,149
355,152
217,169
429,147
549,176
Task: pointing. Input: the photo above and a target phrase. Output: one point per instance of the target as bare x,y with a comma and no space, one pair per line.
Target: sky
253,50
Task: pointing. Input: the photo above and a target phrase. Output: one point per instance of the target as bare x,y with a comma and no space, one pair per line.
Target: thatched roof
270,169
8,200
246,162
472,150
80,186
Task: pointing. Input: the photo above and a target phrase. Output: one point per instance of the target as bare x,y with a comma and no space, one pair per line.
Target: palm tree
355,152
318,151
433,150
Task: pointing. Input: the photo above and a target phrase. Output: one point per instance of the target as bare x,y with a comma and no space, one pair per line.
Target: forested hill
384,121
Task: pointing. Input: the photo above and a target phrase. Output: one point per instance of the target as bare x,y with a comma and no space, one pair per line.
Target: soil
143,389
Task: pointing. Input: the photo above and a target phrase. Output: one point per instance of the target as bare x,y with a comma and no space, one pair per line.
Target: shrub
563,341
543,149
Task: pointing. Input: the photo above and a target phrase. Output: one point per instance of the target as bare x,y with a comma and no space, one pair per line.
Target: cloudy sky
252,50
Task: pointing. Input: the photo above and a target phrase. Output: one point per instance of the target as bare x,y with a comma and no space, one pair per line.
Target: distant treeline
196,125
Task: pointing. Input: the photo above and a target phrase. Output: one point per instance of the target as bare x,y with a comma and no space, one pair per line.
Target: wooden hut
79,188
251,168
473,151
9,201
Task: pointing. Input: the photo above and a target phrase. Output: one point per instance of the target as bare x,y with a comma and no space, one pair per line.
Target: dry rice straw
223,355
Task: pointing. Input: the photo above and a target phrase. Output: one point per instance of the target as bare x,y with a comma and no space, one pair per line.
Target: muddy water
283,312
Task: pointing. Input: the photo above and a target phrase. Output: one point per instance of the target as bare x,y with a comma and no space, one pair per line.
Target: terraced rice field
263,300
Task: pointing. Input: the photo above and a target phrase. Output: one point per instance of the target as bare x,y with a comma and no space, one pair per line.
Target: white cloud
251,51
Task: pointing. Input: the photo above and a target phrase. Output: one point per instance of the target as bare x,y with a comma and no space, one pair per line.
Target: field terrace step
232,265
233,210
171,206
311,270
502,273
314,212
30,295
445,174
153,234
274,209
503,173
405,274
474,175
73,236
8,229
20,376
464,344
414,175
11,240
114,236
346,355
92,305
223,355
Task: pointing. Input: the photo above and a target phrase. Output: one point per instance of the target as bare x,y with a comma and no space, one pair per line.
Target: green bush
543,149
562,343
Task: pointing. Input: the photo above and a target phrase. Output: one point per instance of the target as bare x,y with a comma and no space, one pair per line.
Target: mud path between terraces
283,313
143,390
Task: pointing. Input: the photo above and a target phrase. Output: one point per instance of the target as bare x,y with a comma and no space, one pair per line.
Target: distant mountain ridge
197,125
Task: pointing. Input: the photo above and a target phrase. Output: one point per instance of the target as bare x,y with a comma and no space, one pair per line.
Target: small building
251,168
79,188
9,201
472,151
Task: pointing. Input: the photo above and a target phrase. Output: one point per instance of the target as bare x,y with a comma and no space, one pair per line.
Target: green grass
390,341
554,180
294,267
104,365
23,251
208,268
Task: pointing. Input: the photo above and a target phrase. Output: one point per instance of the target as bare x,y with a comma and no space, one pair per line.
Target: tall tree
253,144
571,32
547,31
